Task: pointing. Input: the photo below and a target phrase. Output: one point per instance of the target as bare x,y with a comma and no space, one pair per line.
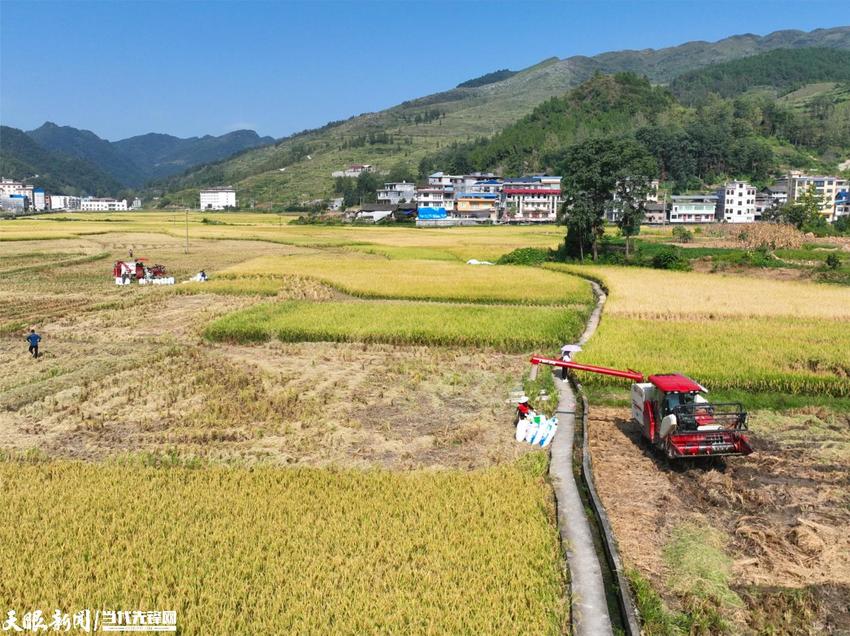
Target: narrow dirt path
589,604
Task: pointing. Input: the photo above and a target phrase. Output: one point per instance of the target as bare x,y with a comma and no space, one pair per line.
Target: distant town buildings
354,170
98,204
137,204
219,198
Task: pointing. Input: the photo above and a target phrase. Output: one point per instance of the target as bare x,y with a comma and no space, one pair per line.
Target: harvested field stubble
781,512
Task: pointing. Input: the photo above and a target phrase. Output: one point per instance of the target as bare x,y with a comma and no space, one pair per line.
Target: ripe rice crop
508,328
375,277
285,551
777,354
650,293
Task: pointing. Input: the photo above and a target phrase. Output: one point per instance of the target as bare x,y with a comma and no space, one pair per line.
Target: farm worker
202,276
523,410
524,413
130,252
33,338
566,356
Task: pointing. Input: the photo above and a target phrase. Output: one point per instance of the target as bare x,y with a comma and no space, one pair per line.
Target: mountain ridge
136,160
298,167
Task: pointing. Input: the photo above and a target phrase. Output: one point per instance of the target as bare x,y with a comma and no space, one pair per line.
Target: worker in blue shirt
33,338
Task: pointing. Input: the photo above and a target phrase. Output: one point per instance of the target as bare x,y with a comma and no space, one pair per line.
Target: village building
395,193
219,198
98,204
532,199
693,208
736,203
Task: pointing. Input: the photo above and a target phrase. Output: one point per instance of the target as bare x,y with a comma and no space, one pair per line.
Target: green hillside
781,71
21,158
752,136
299,167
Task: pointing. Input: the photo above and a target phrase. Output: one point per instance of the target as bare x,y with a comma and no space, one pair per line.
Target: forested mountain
751,136
162,155
136,160
780,71
21,158
85,145
299,167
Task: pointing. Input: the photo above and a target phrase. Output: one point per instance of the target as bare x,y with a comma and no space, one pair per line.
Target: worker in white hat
523,410
566,356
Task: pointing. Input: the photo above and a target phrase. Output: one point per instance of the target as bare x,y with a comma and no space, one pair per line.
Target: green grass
506,328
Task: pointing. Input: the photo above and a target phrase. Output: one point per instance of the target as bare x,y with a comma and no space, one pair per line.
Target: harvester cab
674,414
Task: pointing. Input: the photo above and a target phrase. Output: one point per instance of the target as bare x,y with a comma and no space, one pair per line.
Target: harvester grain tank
675,415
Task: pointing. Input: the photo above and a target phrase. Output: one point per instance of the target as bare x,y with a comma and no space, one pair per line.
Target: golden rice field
483,243
659,294
285,551
376,277
728,332
507,328
773,354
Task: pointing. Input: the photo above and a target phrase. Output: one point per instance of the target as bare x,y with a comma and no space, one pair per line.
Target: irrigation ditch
600,596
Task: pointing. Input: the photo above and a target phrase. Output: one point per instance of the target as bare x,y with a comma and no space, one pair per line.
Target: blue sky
201,67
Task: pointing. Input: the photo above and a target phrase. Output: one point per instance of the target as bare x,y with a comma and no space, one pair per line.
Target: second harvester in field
674,415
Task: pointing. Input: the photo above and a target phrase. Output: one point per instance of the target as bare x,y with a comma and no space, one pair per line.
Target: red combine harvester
674,415
137,270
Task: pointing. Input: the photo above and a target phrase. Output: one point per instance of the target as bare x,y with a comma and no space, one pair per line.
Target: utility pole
187,230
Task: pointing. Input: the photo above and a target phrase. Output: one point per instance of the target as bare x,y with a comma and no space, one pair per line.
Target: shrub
682,235
669,258
833,261
525,256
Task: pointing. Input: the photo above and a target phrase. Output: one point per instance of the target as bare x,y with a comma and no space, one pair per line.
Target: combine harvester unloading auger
673,413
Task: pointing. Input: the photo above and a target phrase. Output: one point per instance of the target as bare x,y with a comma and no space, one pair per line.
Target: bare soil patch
785,509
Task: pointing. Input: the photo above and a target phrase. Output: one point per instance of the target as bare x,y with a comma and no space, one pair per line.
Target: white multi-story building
826,187
435,198
95,204
39,200
395,193
220,198
696,208
62,202
736,203
532,199
137,204
443,180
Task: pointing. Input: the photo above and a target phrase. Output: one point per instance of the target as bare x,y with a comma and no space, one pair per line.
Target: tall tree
591,171
630,202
